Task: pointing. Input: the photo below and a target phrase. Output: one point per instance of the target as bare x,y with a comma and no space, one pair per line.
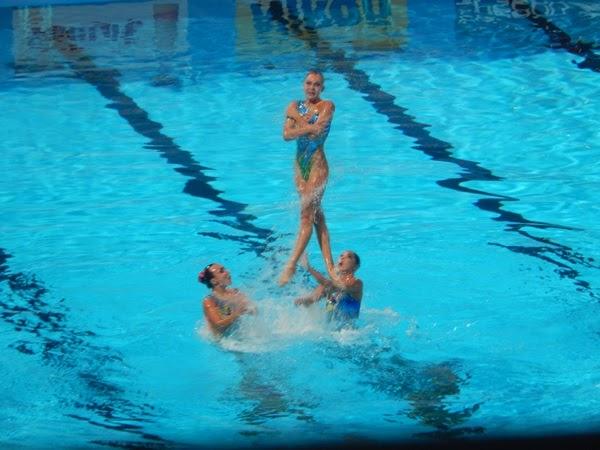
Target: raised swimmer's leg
324,242
307,217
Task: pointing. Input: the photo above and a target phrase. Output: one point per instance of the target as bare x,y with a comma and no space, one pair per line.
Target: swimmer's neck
345,274
221,291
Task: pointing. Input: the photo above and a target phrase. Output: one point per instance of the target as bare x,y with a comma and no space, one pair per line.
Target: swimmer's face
347,261
313,86
221,275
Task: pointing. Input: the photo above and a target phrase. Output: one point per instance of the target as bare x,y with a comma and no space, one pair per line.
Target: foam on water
279,325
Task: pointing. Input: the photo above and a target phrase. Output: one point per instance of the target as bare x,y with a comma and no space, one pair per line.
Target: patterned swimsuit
307,146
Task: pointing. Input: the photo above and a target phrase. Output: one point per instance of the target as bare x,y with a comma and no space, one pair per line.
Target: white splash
280,324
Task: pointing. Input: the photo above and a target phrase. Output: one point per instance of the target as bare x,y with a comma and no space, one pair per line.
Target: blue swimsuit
342,307
307,146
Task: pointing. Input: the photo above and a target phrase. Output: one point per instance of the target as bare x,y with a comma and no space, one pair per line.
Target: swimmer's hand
245,306
312,130
316,129
303,301
238,310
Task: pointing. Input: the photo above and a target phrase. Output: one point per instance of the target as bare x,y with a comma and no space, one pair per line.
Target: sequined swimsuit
307,146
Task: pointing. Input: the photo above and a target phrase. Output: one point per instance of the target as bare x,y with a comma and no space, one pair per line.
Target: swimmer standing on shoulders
224,305
308,122
344,291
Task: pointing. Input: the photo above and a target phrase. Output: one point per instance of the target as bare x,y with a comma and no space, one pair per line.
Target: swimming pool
143,141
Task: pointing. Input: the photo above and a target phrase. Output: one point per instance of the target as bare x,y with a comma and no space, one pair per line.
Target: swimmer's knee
307,215
309,205
319,215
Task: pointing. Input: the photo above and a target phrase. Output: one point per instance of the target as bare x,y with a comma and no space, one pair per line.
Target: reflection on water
425,385
263,389
267,357
364,25
500,26
165,35
147,36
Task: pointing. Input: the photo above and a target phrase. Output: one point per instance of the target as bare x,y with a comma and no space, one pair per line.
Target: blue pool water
142,141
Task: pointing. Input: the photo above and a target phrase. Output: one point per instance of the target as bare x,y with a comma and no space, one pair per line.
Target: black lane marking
47,334
436,149
558,37
198,185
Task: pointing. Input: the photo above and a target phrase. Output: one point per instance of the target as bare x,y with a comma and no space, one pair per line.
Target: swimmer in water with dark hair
308,121
224,305
343,292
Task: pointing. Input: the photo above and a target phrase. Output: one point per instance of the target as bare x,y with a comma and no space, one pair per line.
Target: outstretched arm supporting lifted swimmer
342,281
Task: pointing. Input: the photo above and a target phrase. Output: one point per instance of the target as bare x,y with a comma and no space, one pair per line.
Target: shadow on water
45,332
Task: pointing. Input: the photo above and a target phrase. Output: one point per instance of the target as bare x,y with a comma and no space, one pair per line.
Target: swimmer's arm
292,126
248,305
314,130
355,289
322,280
295,126
317,294
325,117
214,317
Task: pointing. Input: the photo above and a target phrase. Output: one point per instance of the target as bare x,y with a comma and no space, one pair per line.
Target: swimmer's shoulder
209,301
292,106
328,105
356,289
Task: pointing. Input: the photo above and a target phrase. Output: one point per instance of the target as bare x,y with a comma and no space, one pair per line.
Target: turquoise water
135,158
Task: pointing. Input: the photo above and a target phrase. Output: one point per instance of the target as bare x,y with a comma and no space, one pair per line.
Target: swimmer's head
205,276
214,275
348,261
314,84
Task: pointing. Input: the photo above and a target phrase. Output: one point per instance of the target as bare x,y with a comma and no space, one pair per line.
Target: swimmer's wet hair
205,276
357,259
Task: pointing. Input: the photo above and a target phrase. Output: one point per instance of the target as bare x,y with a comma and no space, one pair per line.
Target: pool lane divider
558,37
23,306
105,81
437,149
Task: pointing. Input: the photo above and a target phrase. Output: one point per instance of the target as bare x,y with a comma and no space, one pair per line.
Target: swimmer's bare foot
287,273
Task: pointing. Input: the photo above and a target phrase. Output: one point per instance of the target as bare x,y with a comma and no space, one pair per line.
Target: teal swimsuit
342,307
306,146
